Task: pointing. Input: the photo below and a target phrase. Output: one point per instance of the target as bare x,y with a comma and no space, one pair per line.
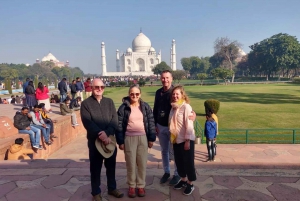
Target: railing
254,136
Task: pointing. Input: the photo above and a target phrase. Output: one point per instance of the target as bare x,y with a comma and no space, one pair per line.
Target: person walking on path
42,96
30,95
183,139
79,88
88,87
99,117
22,122
135,135
210,132
24,88
38,122
73,89
63,89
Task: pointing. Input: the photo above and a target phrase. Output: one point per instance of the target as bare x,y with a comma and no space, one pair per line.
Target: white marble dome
129,50
141,43
50,57
152,49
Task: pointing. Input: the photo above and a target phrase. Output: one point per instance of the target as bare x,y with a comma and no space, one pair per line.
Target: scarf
173,121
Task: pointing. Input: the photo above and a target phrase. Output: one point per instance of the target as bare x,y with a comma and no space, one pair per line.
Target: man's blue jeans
166,148
34,134
63,97
45,131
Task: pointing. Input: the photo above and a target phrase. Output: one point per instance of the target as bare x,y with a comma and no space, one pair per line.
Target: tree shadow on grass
247,97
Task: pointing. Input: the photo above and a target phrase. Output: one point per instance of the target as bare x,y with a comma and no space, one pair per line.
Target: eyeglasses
136,94
99,87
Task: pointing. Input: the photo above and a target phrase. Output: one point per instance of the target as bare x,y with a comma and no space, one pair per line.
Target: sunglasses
136,94
99,87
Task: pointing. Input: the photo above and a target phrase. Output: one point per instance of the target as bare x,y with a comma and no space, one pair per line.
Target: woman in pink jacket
42,96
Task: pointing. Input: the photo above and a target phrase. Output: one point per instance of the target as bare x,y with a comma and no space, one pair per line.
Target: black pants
184,160
211,149
96,161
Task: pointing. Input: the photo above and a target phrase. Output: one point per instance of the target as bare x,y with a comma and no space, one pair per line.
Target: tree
186,64
280,52
47,64
201,77
178,75
159,68
228,50
221,73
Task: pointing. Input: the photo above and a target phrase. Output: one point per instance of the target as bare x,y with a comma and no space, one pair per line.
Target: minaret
118,60
103,59
171,57
173,66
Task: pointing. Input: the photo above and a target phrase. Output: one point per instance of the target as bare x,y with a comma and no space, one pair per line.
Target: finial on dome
141,30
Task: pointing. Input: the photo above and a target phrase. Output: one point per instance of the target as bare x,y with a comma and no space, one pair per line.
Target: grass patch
248,106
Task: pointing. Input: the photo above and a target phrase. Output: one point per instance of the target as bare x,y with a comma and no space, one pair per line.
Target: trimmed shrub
141,82
122,83
212,103
112,84
296,80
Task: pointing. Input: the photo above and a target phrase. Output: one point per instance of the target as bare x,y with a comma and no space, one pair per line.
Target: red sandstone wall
63,129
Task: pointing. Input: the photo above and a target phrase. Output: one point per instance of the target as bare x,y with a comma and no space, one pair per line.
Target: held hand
28,128
121,146
44,125
29,115
150,144
102,135
192,116
187,145
107,141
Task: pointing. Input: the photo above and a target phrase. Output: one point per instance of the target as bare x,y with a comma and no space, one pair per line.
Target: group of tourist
76,88
11,100
36,96
134,127
35,123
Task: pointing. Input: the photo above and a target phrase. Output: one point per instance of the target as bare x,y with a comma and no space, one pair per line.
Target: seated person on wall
22,122
64,110
75,103
18,99
13,100
47,120
5,101
18,152
38,122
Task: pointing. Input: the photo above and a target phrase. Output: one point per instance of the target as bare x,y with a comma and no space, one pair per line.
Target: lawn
242,106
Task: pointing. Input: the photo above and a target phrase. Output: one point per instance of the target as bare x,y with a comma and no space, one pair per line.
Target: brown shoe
116,193
97,198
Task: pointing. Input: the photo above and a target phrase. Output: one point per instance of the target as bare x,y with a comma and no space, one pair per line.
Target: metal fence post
247,136
294,133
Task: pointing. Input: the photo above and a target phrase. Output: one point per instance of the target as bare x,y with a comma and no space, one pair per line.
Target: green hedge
212,103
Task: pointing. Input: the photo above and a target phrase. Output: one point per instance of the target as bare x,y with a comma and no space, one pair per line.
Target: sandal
48,143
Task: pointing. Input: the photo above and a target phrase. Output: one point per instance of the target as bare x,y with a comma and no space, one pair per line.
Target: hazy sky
74,29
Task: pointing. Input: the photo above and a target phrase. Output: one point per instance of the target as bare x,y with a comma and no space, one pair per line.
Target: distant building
52,58
138,60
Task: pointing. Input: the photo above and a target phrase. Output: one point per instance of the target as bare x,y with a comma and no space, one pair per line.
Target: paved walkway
240,173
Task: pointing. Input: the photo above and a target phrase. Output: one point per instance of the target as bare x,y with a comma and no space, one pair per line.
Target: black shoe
40,147
175,180
181,184
164,178
189,189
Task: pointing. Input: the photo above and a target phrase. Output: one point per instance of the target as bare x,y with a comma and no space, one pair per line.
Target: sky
73,29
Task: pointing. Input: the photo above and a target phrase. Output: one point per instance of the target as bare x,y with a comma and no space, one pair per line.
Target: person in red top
42,96
88,87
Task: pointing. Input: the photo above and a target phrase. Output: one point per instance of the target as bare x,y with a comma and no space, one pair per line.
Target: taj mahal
138,60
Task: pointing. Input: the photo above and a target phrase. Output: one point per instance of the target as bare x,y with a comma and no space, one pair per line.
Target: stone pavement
240,173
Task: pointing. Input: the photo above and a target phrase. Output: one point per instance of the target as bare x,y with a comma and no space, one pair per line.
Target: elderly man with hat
100,119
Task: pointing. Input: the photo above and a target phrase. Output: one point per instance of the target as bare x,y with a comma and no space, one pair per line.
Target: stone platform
240,173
